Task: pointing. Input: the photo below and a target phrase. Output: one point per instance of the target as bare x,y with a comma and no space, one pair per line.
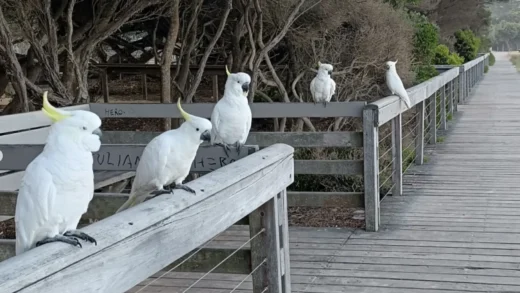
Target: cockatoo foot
225,147
160,192
60,238
238,146
186,188
80,235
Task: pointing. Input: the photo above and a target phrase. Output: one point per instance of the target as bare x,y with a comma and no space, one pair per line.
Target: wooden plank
122,157
155,68
433,119
227,189
419,138
259,110
262,139
397,155
371,167
390,106
325,199
444,125
17,122
328,167
284,242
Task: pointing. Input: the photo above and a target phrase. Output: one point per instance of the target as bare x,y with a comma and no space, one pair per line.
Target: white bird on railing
58,184
323,86
168,158
231,117
394,83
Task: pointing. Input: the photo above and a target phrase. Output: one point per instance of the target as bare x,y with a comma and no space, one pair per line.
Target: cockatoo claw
186,188
60,238
80,235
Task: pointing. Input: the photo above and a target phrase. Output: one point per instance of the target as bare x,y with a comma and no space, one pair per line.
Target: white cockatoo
168,158
394,83
58,184
323,86
231,117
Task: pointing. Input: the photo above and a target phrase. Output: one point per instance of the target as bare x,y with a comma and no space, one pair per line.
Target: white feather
394,83
231,117
322,86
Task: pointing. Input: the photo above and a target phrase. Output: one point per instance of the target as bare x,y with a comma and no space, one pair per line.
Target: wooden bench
32,128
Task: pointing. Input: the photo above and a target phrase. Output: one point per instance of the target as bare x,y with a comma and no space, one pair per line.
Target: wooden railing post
419,139
462,85
270,250
452,97
104,85
145,86
371,167
433,119
444,125
397,155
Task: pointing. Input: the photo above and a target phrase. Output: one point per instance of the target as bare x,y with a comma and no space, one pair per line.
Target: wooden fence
434,100
136,243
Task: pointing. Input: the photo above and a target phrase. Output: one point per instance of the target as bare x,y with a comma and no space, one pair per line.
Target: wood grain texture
23,121
139,235
122,157
259,110
262,139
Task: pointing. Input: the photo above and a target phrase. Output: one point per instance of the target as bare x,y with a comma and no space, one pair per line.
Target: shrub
425,72
491,59
444,57
467,44
486,69
425,39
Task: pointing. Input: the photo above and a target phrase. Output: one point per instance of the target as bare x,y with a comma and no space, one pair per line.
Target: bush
467,44
426,39
491,59
486,69
425,72
444,57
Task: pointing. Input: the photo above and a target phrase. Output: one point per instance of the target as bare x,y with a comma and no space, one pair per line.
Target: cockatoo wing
313,89
215,121
396,86
34,215
151,167
245,134
332,89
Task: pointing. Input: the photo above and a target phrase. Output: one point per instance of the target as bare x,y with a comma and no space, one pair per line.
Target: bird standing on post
394,83
323,86
168,158
58,184
231,117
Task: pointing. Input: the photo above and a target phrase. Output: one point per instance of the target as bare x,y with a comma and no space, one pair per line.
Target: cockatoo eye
197,129
238,81
84,128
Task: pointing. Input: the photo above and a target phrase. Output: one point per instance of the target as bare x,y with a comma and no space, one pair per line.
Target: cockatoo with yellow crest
395,84
231,117
323,87
168,158
58,184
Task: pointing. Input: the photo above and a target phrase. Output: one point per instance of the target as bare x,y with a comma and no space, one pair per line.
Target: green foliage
440,139
425,41
425,72
486,69
467,44
491,59
444,57
401,3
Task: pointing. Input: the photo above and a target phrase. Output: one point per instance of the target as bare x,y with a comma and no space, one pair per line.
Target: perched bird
59,183
167,159
231,117
323,86
394,83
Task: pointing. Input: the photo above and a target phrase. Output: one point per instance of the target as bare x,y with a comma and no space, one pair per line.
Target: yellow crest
50,111
227,71
185,115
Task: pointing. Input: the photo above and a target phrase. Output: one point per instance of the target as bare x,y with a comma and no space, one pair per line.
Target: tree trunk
167,57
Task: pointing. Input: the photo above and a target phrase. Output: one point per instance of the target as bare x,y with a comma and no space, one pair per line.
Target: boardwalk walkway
456,229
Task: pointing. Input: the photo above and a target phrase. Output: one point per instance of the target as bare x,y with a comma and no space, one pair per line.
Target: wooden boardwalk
456,229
